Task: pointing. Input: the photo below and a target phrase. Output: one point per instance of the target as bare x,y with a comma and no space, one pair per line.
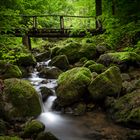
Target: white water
62,126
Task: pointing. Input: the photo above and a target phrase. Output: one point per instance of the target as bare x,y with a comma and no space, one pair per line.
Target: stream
91,126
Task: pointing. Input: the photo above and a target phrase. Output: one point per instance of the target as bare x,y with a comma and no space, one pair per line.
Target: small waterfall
36,82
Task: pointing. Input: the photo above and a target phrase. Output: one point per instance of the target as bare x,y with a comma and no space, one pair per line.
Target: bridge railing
59,21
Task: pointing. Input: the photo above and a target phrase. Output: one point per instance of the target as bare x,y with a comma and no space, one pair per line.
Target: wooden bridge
62,29
64,26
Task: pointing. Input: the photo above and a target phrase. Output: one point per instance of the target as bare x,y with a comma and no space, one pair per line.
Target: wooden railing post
34,21
62,23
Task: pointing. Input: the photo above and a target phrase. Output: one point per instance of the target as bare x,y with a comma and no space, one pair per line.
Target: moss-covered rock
75,51
72,85
80,109
88,63
99,68
20,99
60,61
26,60
122,59
32,128
9,70
50,73
126,109
108,83
46,136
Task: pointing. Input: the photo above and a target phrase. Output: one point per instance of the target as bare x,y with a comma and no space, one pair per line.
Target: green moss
72,84
23,97
46,136
88,63
33,128
9,70
99,68
108,83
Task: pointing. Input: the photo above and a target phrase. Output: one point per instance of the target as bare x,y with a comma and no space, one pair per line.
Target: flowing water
67,127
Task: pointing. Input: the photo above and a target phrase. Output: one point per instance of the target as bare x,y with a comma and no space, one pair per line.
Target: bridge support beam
26,41
98,13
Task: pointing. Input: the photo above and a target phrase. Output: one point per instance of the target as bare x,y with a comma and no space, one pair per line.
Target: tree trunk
26,41
98,13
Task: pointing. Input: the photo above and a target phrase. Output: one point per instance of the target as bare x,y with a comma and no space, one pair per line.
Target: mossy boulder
9,70
126,109
60,61
50,73
20,99
32,128
46,136
121,59
98,68
72,85
108,83
75,51
26,60
43,56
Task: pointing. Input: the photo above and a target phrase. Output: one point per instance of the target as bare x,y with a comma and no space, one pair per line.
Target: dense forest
70,69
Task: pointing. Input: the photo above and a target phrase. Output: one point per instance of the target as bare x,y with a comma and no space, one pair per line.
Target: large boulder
72,85
126,109
32,128
108,83
60,61
9,70
26,60
121,59
20,99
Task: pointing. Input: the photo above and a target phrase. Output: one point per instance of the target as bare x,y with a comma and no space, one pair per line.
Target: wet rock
72,85
32,128
46,92
95,135
50,73
20,99
46,136
43,56
26,60
9,70
121,59
61,62
126,109
108,83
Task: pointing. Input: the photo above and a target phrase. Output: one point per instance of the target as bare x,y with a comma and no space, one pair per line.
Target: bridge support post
98,13
26,41
62,23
